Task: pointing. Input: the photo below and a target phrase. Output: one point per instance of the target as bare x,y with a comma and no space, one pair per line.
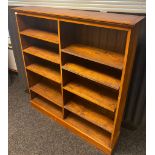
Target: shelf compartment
49,92
45,54
41,34
93,93
93,74
90,113
83,128
101,56
45,71
89,131
46,107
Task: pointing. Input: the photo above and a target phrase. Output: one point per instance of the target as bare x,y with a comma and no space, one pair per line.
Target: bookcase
78,66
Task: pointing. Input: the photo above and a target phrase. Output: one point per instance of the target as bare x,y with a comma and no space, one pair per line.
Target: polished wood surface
42,35
109,58
109,18
46,106
49,92
97,95
88,131
45,71
43,53
93,75
82,109
78,66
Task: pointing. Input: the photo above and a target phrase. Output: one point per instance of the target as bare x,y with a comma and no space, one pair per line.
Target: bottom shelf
83,128
89,130
47,107
49,92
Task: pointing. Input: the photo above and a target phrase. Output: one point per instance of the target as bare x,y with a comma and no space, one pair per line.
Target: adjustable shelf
84,110
78,66
93,74
45,71
90,132
46,107
49,92
97,95
87,130
46,54
42,35
101,56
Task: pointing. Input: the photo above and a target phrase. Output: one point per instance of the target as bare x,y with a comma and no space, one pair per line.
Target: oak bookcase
78,66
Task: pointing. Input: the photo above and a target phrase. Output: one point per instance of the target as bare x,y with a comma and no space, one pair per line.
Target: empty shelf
50,93
101,56
42,35
89,131
84,110
43,53
92,93
47,107
49,73
92,74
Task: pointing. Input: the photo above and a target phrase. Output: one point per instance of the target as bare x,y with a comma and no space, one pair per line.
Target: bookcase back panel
30,59
28,41
99,37
91,64
27,22
33,78
42,103
103,97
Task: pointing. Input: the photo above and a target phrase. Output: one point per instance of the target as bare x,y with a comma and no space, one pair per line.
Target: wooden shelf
90,92
105,57
49,73
42,35
79,65
49,92
89,130
85,111
46,107
94,75
45,54
83,128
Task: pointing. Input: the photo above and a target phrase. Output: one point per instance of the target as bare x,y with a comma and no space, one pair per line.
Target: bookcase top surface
91,16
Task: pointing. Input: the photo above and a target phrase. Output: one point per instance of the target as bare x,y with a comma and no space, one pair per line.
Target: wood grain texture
43,53
92,70
83,110
45,71
42,35
84,129
94,75
89,129
108,58
110,40
107,18
46,106
95,94
49,92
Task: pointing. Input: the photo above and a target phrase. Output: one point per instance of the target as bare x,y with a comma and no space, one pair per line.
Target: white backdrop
129,6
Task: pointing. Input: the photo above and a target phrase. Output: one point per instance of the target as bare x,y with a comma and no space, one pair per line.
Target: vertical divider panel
21,47
59,36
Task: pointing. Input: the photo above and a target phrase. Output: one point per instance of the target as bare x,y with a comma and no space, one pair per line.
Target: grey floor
31,133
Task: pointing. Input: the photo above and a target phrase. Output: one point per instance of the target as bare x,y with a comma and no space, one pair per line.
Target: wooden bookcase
78,66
